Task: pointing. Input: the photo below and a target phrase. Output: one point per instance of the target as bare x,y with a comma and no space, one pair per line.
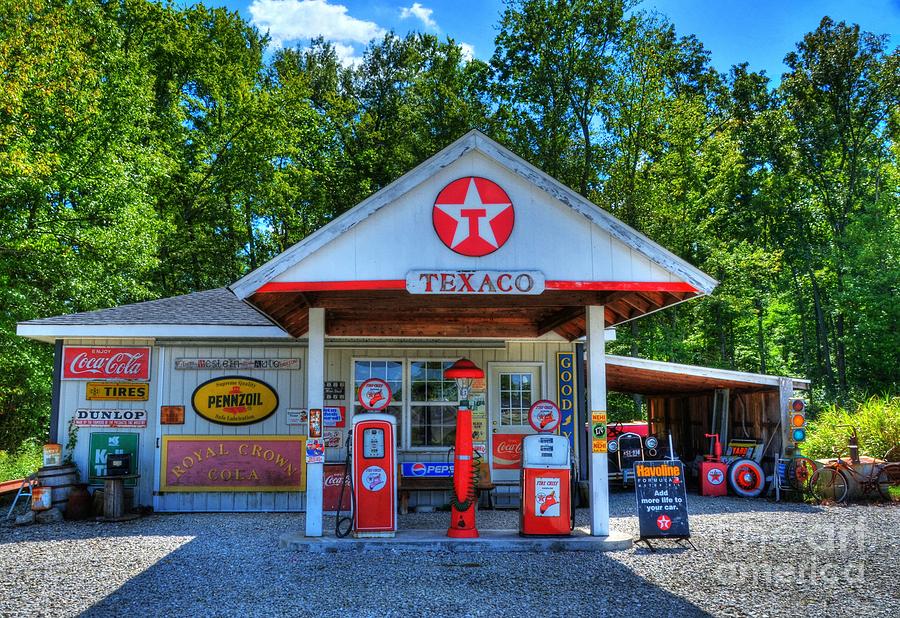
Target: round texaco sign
473,216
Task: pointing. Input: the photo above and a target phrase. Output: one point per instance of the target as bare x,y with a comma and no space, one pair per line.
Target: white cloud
421,13
346,54
468,51
298,20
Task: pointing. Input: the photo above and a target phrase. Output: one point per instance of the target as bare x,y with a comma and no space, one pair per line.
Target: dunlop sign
117,391
235,400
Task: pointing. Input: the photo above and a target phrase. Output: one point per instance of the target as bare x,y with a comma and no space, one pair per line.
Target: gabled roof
473,141
209,313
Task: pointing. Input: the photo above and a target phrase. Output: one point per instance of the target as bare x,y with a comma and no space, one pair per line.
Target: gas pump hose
348,520
471,494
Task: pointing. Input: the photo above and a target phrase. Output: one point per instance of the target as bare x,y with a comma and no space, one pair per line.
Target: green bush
24,461
877,422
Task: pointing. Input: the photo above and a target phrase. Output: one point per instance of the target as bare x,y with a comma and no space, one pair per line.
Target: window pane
417,371
417,392
433,425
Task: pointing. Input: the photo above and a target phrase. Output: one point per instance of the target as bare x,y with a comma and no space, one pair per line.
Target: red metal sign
374,394
233,463
473,216
544,416
86,363
507,451
334,475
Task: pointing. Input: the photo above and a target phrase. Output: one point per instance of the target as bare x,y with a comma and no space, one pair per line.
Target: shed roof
210,313
626,374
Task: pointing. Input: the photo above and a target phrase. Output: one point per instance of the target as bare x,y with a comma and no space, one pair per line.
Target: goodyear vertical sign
565,393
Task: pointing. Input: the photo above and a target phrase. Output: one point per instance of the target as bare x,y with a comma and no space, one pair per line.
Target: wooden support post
596,378
315,398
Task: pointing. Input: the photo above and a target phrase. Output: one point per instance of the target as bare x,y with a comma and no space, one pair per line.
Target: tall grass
19,464
877,421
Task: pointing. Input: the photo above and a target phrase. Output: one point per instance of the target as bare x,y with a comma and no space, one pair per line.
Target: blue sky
760,32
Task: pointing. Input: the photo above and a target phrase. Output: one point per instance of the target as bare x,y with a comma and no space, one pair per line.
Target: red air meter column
374,475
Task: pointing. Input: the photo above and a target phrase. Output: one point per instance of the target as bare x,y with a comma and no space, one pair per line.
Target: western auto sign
111,418
235,400
237,364
117,391
233,463
86,363
374,394
473,216
507,451
475,282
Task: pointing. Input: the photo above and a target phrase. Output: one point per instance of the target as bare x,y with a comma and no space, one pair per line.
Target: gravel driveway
753,558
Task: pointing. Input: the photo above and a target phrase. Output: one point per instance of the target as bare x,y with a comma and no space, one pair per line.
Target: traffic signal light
797,416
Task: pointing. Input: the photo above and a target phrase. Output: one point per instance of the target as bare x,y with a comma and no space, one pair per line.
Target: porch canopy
473,243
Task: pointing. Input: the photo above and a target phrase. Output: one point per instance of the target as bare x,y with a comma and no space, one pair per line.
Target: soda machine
374,474
546,480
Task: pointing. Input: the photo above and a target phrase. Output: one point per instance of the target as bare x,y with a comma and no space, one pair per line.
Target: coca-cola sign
334,476
86,363
507,451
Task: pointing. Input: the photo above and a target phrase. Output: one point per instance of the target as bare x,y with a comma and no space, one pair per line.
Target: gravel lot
753,558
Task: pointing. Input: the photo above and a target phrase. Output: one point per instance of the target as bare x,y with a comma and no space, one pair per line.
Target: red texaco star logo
663,522
473,216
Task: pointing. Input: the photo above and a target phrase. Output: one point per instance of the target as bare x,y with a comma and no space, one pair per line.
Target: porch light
465,372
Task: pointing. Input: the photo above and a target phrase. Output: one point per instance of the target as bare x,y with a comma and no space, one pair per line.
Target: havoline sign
661,500
235,400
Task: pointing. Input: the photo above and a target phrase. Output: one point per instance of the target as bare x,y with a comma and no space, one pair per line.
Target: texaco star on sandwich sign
473,216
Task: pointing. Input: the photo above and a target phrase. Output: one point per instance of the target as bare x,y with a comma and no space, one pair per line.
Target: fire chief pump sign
86,363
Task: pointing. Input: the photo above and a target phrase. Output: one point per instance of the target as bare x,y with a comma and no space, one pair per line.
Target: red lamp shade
463,369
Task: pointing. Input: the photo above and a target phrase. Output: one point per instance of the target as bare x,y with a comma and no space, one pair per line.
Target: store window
515,397
433,403
391,372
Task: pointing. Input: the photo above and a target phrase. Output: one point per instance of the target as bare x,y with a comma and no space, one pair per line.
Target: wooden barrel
61,479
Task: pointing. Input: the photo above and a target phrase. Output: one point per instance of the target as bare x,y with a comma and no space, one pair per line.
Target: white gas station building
474,253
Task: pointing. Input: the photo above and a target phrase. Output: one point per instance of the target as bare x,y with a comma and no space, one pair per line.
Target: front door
511,391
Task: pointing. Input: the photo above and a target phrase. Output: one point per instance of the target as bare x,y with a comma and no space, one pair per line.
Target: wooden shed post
596,379
315,398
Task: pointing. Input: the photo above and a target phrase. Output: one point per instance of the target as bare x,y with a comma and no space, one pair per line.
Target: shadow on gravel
622,505
217,574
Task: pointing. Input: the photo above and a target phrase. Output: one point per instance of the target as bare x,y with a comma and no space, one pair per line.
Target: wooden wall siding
752,415
179,385
72,397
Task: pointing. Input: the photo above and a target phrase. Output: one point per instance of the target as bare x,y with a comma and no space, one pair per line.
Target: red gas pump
713,472
546,486
374,475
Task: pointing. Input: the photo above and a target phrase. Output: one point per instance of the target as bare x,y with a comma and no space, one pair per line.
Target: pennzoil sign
235,400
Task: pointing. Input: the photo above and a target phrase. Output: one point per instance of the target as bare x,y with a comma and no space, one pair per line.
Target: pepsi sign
427,469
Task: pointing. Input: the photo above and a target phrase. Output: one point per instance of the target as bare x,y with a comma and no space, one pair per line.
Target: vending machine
374,473
546,486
